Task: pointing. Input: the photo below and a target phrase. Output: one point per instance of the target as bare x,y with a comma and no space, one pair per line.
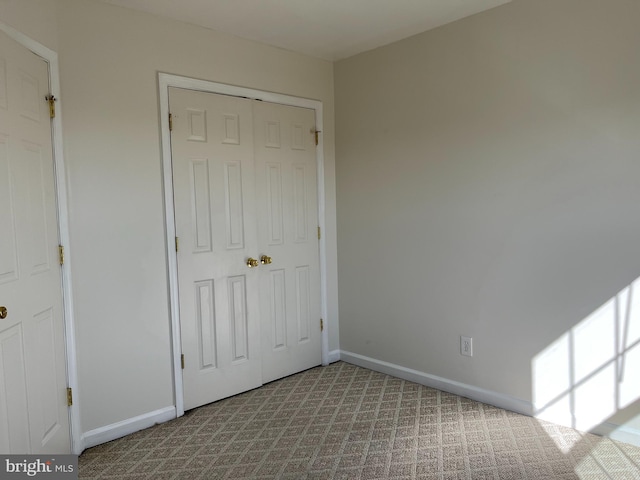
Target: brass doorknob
252,262
3,313
265,260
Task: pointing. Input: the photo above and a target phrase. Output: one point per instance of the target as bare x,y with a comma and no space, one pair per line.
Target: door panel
14,423
8,250
213,174
286,190
244,177
32,351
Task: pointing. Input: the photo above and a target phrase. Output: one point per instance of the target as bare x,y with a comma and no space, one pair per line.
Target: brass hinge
61,254
69,397
321,325
170,122
319,233
52,105
316,132
182,361
176,244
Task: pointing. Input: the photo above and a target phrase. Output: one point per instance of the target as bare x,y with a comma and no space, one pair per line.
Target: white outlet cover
466,346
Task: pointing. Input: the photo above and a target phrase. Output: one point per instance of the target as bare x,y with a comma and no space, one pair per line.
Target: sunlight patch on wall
586,375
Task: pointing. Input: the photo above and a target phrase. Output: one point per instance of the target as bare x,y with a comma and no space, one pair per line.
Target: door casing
51,58
165,81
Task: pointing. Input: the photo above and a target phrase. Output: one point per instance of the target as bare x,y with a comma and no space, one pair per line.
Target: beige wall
34,18
109,60
488,186
109,63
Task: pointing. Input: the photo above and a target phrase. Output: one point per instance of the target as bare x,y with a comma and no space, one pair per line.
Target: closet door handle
252,262
265,260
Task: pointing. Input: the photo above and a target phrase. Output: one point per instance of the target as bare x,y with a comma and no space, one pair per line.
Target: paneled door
245,200
286,189
33,410
213,180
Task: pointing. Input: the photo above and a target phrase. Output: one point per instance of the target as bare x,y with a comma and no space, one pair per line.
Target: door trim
51,58
165,81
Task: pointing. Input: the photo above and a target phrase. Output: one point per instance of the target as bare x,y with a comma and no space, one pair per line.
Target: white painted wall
488,186
109,60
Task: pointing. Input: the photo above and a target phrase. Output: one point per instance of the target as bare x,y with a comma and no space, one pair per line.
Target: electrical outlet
466,346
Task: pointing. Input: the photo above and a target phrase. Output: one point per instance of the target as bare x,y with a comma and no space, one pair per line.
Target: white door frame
165,81
51,58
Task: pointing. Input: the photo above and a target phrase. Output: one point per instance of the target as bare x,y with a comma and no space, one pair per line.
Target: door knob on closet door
3,313
252,262
265,260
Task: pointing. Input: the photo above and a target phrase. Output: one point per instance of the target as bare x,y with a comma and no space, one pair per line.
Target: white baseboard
616,432
334,356
620,433
126,427
469,391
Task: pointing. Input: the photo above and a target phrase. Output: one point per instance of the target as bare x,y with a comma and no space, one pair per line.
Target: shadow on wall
589,375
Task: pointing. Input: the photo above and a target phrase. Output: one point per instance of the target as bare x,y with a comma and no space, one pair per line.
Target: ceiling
328,29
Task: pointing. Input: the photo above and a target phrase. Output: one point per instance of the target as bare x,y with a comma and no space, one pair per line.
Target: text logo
55,467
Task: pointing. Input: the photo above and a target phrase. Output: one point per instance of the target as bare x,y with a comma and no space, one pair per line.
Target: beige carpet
346,422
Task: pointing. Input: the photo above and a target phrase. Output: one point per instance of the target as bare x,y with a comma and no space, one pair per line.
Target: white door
213,180
243,325
33,411
286,189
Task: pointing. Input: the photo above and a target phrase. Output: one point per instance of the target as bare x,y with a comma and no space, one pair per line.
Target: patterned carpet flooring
346,422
